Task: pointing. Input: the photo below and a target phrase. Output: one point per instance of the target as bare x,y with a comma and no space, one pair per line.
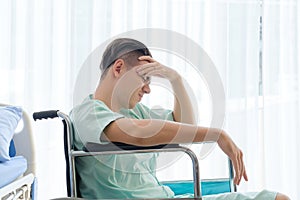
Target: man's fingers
147,58
244,168
146,68
151,69
245,175
243,172
236,166
236,156
241,164
239,167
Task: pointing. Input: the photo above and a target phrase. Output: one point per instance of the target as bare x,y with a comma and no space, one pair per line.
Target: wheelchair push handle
45,114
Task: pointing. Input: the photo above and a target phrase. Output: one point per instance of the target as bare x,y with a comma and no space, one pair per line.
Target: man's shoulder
90,103
88,106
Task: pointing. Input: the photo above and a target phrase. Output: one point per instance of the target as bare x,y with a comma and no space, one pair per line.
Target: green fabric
114,176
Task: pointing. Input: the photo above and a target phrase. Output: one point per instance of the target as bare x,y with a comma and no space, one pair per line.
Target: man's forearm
154,132
183,108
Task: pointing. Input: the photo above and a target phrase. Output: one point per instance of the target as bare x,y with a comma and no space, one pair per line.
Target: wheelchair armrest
115,146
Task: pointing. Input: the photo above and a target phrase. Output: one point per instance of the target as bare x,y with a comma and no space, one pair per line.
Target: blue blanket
12,169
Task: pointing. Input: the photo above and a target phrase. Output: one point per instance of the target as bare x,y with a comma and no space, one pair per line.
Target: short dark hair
122,48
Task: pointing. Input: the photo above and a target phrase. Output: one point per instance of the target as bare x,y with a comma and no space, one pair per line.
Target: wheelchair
196,186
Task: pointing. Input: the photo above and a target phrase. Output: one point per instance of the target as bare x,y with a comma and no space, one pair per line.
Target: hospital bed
17,179
196,186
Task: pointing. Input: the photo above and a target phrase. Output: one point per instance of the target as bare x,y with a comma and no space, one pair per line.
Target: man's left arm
183,109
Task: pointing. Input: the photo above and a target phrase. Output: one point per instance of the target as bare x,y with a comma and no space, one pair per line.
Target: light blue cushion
207,187
9,119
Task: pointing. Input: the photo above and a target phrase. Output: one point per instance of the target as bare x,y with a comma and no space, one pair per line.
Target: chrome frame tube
71,159
231,177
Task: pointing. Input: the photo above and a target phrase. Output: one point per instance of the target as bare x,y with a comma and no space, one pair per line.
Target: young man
113,113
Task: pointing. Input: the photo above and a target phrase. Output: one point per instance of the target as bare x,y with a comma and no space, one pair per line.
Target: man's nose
146,88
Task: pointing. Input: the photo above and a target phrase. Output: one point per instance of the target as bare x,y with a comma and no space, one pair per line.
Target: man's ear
118,67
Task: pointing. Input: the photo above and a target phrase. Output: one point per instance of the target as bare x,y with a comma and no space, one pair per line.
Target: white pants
263,195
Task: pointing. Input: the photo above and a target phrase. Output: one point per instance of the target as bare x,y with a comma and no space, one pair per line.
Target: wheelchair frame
93,149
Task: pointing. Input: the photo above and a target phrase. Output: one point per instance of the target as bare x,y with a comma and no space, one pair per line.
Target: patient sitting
113,113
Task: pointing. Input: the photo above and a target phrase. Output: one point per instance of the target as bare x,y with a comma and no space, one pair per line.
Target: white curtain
280,92
253,44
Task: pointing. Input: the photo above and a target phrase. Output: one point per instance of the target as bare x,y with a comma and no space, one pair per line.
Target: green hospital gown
115,176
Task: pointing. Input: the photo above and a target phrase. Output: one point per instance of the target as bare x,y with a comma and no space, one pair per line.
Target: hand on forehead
132,77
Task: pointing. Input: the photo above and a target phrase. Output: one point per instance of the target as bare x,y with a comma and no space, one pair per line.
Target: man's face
131,87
